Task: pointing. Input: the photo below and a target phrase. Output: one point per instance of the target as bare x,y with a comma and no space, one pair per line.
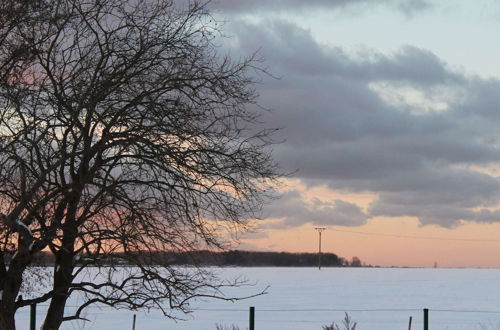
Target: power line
417,237
464,311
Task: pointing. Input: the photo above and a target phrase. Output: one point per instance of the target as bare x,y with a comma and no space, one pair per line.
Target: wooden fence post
33,317
133,322
252,318
426,319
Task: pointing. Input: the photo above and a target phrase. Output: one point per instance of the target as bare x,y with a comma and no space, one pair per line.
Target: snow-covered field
307,299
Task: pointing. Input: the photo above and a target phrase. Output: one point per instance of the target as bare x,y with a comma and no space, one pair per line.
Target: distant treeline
209,258
258,259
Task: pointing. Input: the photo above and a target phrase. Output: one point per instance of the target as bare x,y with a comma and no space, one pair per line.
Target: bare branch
124,134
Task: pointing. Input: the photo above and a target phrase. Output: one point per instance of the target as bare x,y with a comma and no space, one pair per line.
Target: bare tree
123,132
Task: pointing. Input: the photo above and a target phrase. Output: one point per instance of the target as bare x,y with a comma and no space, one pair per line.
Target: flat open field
307,299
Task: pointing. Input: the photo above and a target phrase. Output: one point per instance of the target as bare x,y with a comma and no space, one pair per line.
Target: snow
307,299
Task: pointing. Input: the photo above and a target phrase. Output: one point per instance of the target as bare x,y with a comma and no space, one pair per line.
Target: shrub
347,322
221,327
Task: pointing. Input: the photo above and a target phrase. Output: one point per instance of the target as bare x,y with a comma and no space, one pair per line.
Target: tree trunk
63,275
7,320
62,281
11,283
55,314
8,303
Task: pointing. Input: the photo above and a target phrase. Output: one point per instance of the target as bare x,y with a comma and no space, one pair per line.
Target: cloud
442,196
412,6
295,211
293,51
408,7
252,235
404,126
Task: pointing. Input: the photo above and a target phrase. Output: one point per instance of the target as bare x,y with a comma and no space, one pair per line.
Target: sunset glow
389,116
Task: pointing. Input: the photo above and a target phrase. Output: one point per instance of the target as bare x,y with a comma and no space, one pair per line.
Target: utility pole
319,229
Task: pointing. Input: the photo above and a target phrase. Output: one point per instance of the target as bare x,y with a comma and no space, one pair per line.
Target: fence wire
291,318
291,310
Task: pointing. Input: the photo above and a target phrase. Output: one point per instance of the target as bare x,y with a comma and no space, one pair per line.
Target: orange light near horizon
393,242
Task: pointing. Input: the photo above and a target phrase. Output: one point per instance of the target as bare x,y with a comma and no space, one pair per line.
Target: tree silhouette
122,129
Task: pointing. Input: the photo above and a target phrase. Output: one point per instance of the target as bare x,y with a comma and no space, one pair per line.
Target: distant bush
347,322
221,327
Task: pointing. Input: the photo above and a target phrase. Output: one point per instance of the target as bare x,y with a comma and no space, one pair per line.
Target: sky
389,113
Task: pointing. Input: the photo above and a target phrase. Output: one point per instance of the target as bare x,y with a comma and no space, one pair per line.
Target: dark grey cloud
412,6
292,50
342,132
294,211
442,196
408,7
